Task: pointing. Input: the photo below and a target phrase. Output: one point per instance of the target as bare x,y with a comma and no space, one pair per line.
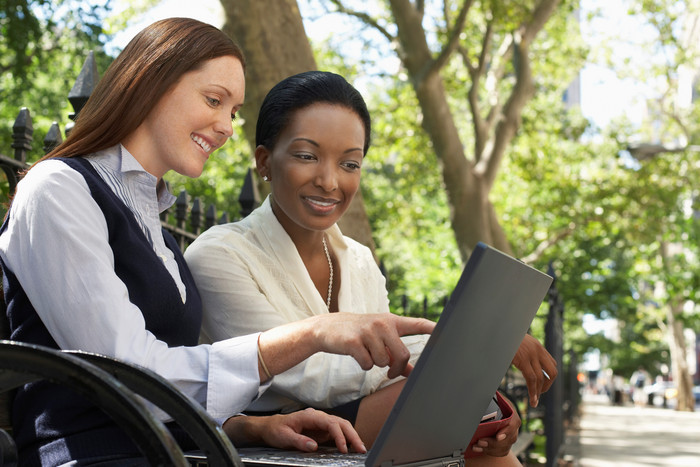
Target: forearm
287,345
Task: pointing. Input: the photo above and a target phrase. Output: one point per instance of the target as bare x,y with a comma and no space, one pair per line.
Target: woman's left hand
303,430
537,366
499,445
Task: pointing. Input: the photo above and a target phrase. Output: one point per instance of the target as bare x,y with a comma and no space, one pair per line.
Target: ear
262,161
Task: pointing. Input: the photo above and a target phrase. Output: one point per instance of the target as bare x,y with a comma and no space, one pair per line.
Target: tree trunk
677,345
679,359
271,34
465,191
467,182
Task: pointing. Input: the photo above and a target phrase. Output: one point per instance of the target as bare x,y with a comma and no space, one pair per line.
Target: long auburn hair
151,63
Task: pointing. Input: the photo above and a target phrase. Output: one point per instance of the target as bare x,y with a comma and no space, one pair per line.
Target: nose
326,177
224,124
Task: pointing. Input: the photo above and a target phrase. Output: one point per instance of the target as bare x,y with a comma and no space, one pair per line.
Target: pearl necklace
330,266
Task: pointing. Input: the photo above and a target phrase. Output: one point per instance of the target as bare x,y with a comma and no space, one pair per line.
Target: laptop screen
464,361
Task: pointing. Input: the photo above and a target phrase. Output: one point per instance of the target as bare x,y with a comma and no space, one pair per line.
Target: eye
305,156
233,117
213,101
351,166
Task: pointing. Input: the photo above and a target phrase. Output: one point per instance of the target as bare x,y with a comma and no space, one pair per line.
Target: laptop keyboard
322,457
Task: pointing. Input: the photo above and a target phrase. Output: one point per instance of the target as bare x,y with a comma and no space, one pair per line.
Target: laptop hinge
458,457
457,460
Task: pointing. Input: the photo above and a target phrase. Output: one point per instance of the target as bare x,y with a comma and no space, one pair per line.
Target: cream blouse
251,278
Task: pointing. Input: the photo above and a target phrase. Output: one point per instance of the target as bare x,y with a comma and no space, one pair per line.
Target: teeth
202,143
320,203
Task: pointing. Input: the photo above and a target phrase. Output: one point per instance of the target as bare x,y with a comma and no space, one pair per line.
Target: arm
245,288
370,339
57,230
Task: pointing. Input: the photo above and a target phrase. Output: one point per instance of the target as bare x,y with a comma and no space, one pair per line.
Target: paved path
629,436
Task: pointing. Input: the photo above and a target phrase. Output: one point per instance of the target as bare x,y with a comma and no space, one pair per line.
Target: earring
266,178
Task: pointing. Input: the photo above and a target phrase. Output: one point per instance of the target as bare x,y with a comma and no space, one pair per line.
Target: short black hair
300,91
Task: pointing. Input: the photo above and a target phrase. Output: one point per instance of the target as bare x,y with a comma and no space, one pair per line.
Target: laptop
456,376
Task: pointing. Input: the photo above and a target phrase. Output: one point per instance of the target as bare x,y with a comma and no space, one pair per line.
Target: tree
271,34
495,43
628,246
667,194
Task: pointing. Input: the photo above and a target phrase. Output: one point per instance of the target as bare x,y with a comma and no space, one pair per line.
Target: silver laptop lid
464,361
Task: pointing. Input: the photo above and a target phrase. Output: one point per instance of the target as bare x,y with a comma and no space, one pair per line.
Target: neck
308,242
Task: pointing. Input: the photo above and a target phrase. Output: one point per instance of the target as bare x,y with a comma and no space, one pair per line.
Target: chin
192,171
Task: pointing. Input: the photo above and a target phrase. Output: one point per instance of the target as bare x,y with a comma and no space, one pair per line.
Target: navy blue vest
52,425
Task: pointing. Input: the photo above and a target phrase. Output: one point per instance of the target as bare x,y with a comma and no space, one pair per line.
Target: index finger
409,326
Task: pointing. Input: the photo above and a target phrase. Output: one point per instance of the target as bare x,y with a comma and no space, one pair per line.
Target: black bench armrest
190,415
23,363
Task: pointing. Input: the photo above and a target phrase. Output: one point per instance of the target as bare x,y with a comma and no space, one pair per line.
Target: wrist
285,346
243,430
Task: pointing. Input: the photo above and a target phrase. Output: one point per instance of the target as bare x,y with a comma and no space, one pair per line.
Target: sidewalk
629,436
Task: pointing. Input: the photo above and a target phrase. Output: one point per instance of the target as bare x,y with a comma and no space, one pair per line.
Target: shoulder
356,249
52,199
360,259
51,180
50,168
231,238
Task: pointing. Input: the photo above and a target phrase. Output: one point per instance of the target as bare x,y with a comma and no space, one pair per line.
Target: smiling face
314,168
191,120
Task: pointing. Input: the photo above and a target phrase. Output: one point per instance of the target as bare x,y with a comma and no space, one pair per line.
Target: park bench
113,386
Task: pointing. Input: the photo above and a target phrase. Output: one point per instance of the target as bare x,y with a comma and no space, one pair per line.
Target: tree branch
508,125
481,127
543,246
453,39
364,17
543,11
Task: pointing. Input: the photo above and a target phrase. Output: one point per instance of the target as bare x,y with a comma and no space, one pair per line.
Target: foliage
408,180
42,47
407,205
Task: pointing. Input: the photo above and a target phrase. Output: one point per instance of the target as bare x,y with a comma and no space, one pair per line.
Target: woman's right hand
371,339
303,430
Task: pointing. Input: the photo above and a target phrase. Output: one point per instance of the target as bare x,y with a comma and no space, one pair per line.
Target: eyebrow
310,141
223,88
236,107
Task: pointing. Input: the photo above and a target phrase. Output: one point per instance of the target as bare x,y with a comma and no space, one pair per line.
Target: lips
321,205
